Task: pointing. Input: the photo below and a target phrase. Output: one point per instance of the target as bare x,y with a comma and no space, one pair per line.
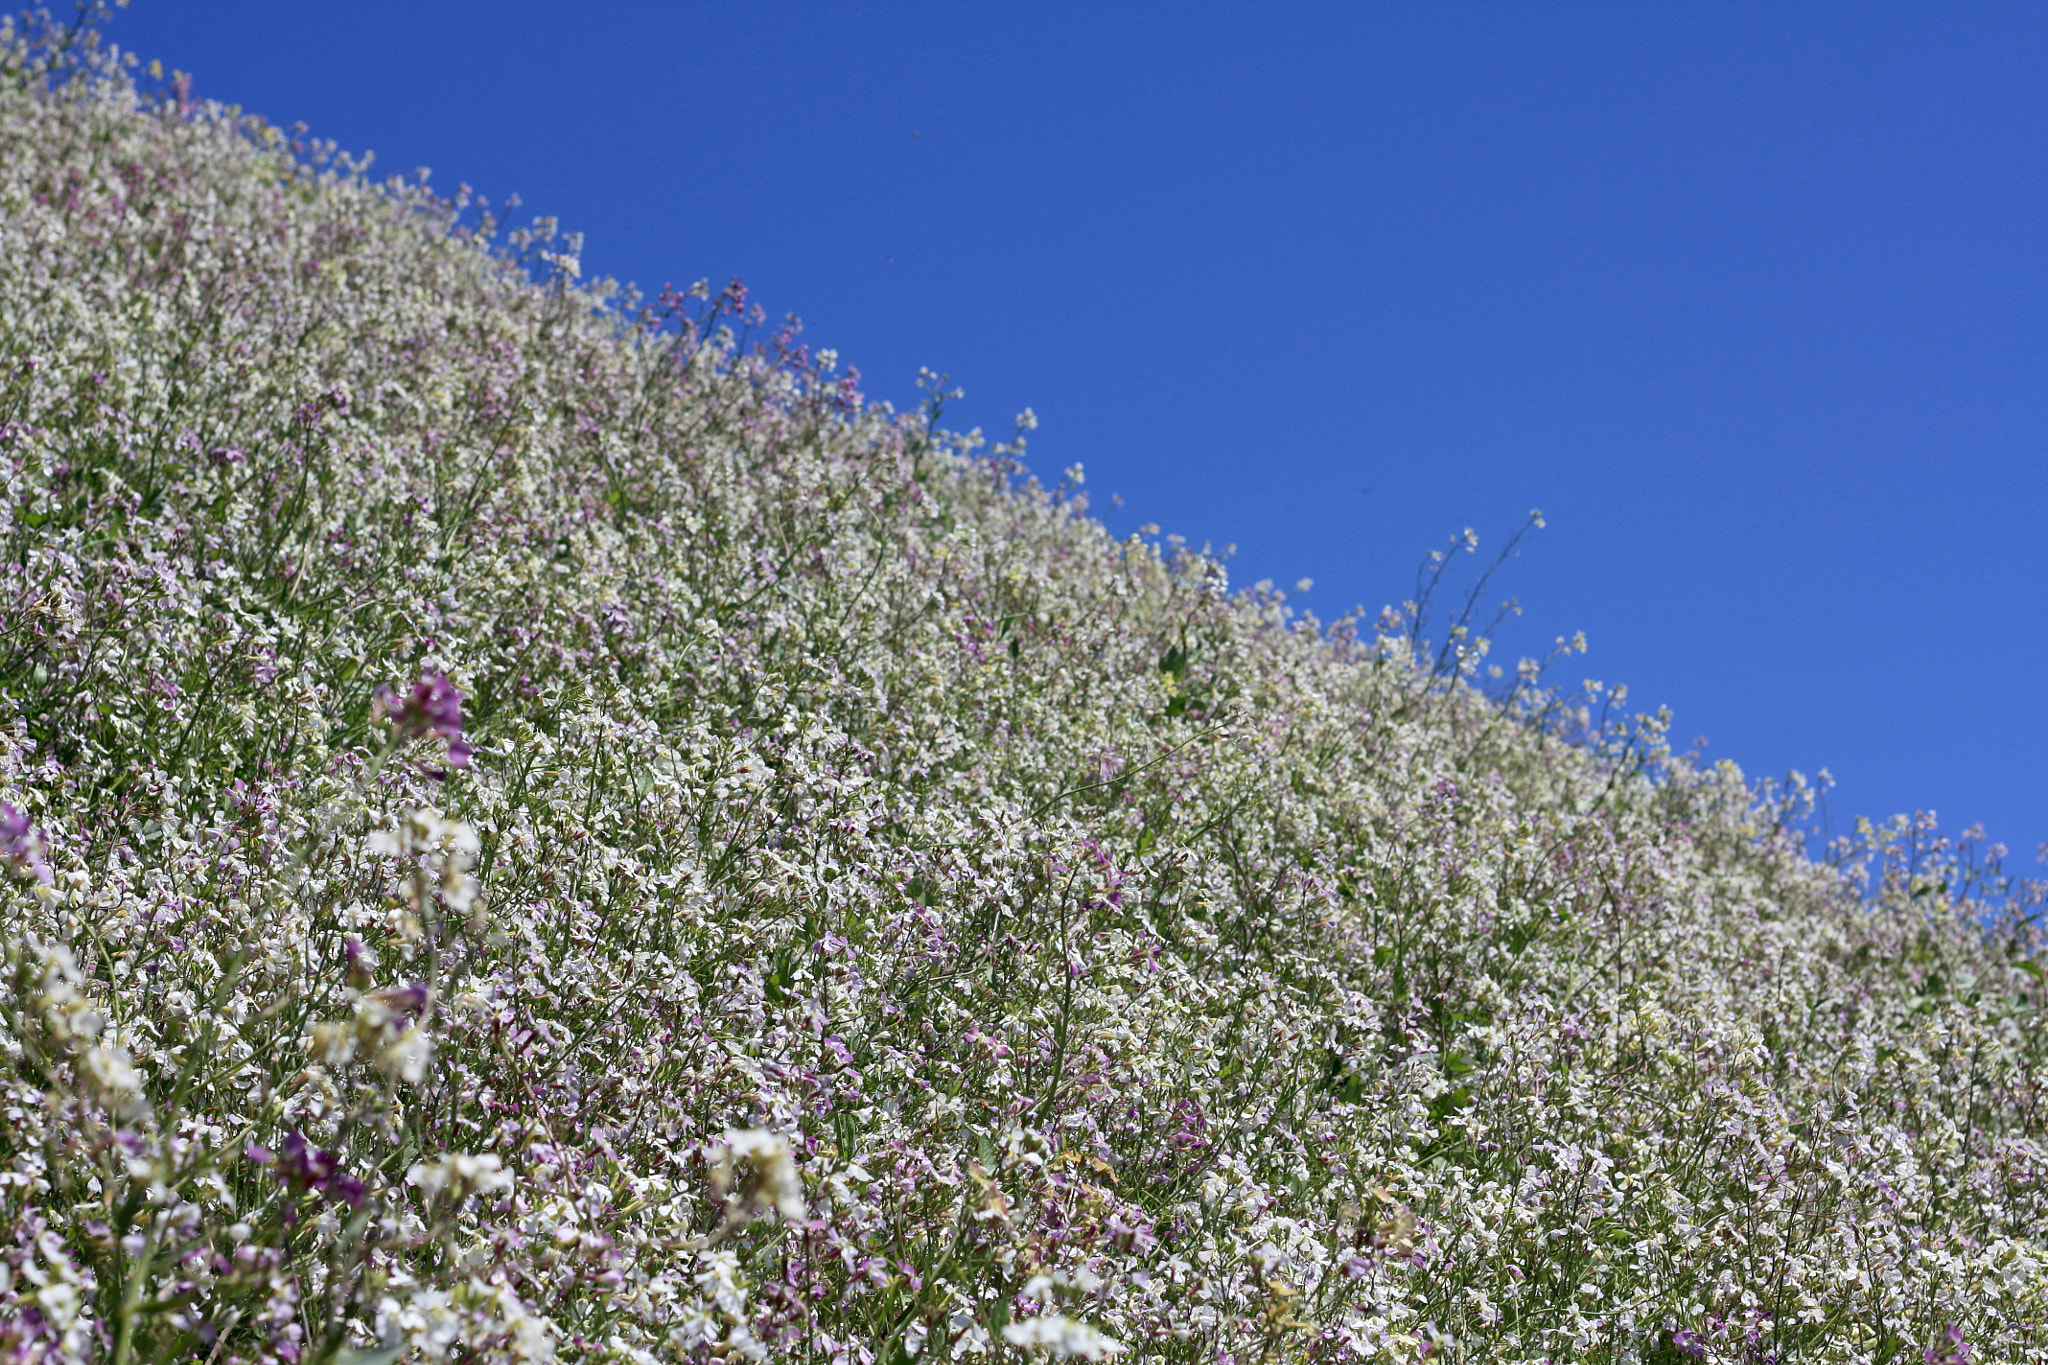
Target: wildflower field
540,826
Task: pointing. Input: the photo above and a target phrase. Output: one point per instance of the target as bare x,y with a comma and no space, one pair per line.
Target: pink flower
22,845
432,709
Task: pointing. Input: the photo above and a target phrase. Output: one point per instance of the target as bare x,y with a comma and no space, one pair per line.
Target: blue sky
1751,300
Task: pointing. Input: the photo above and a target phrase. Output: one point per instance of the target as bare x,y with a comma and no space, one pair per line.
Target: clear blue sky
1751,300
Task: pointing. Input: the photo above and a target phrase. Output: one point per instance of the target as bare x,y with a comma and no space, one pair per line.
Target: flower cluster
867,912
431,709
21,844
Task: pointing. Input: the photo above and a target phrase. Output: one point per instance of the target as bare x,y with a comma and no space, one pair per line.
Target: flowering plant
867,912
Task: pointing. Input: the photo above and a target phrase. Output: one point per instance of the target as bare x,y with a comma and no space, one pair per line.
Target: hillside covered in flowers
540,826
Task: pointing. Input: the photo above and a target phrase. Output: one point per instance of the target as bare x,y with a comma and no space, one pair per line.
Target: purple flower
22,845
346,1188
359,962
1136,1237
309,413
300,1162
1957,1350
406,1002
302,1166
432,709
1689,1342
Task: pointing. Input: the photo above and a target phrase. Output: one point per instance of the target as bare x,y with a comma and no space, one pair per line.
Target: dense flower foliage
536,829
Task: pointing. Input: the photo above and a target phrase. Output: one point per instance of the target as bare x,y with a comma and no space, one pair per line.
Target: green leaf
378,1355
777,983
1450,1102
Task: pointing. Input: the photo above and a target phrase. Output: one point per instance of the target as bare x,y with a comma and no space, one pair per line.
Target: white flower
460,1174
753,1170
332,1044
1061,1337
70,1015
448,847
405,1057
113,1081
59,1302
